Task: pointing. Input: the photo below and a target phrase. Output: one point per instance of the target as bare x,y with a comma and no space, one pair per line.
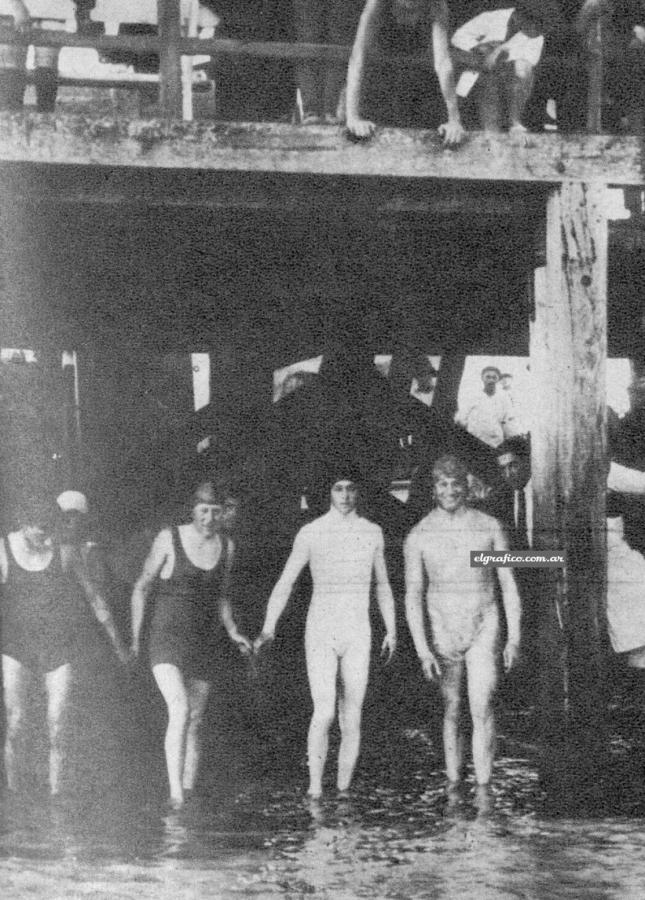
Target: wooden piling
170,80
569,464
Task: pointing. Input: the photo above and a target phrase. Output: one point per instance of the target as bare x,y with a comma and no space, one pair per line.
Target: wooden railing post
170,83
595,75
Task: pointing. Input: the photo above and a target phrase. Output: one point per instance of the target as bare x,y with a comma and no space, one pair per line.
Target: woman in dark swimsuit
49,612
192,564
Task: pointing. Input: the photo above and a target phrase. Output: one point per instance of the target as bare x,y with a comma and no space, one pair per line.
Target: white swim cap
70,501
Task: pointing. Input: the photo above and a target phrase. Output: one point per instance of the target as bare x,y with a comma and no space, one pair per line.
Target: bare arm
414,605
625,480
225,606
279,598
73,562
385,601
20,13
452,131
151,569
511,600
366,39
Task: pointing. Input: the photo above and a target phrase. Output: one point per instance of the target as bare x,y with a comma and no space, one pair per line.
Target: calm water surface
399,835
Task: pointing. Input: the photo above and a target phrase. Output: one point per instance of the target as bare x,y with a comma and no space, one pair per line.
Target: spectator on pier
49,613
13,57
320,82
192,564
402,28
498,51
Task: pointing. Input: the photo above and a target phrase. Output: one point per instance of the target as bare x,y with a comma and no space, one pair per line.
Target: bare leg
354,670
322,665
481,667
309,21
522,80
171,683
453,740
58,684
198,692
489,102
17,680
342,22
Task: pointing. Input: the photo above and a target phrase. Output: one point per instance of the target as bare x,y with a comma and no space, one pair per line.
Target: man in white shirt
500,48
491,417
344,551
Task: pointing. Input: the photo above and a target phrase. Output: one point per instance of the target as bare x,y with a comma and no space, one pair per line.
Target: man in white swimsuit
343,551
463,612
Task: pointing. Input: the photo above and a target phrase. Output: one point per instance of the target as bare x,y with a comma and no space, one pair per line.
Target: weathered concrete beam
317,150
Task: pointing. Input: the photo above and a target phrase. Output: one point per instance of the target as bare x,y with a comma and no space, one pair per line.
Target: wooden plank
170,80
316,150
595,74
569,464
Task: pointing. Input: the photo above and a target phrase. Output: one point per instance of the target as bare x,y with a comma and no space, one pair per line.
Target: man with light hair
462,607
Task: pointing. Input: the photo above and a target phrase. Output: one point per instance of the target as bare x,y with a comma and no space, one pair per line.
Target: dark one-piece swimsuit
185,620
45,618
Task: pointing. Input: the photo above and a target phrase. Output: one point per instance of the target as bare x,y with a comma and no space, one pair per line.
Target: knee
481,711
178,710
350,718
15,718
323,716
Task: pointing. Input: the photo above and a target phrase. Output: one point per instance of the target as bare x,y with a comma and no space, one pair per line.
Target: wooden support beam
317,150
170,81
569,464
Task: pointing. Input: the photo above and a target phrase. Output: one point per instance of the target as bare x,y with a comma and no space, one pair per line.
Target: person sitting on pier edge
344,551
498,52
192,564
49,613
402,27
320,82
463,612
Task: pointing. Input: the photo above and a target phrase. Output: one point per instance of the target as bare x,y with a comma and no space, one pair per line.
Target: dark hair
450,465
37,509
214,491
519,446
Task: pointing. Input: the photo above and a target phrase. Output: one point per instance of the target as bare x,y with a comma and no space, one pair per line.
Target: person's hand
511,656
452,133
361,129
125,655
261,641
430,667
492,57
243,644
388,646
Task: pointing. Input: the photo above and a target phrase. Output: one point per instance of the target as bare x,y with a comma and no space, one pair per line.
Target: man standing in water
463,613
343,551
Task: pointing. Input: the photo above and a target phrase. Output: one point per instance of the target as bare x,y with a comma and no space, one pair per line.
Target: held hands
388,647
242,643
262,641
430,666
511,656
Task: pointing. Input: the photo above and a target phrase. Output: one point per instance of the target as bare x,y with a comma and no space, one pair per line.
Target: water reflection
401,833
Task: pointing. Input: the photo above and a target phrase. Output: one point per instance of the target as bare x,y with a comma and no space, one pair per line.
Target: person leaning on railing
13,57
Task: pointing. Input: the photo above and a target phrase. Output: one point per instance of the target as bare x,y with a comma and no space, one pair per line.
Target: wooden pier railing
171,45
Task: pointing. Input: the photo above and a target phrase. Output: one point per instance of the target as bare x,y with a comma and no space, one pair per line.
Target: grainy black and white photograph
322,449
